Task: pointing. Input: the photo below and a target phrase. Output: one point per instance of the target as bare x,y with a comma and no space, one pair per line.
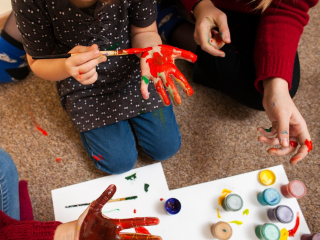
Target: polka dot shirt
58,25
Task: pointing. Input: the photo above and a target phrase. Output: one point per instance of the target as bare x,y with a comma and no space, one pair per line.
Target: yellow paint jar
267,177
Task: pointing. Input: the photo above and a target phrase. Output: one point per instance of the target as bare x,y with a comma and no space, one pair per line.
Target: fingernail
284,142
96,52
103,58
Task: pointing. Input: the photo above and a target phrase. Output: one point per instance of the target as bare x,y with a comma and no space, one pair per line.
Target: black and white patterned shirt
58,25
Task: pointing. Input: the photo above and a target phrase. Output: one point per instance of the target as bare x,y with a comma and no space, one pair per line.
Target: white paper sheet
88,191
199,204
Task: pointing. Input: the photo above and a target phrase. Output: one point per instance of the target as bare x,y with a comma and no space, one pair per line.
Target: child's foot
168,19
13,64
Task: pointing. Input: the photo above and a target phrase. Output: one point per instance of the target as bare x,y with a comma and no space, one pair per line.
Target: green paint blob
146,187
145,79
268,130
131,177
246,212
113,47
111,210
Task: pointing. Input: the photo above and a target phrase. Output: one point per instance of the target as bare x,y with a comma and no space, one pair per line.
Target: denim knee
161,154
7,165
117,164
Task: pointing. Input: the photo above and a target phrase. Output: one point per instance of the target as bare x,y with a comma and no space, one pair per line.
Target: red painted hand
158,64
95,226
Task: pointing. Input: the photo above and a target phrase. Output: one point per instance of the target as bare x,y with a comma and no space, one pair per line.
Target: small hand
207,18
92,225
158,64
288,126
83,66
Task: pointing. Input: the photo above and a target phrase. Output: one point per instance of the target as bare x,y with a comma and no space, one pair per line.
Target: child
102,95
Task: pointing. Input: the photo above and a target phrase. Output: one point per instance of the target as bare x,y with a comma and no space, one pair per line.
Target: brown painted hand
92,225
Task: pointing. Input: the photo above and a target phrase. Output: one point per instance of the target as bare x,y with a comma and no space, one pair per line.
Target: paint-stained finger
136,236
206,46
222,22
86,76
216,40
144,87
180,78
136,222
161,91
146,76
172,89
281,151
183,54
283,130
300,155
267,132
269,141
98,204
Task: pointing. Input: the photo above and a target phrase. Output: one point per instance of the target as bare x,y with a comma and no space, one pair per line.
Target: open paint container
270,197
232,202
314,236
221,231
268,231
294,189
281,214
267,177
172,206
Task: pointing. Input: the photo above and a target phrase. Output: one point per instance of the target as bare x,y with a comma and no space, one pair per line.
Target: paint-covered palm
95,226
158,65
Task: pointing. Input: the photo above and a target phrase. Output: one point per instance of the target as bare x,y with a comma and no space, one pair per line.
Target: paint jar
268,231
232,202
270,197
221,231
172,206
280,214
315,236
294,189
267,177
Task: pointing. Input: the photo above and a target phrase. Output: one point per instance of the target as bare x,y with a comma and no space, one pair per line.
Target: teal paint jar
232,202
268,231
270,197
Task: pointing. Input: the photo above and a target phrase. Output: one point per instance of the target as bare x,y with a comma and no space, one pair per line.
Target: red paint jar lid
297,189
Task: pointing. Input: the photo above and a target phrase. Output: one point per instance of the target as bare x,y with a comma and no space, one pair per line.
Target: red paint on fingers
160,89
294,144
308,144
141,230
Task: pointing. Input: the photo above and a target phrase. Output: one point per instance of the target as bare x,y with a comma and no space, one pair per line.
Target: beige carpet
219,136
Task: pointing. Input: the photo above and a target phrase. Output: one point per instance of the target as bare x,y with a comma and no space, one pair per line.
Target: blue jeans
9,186
113,147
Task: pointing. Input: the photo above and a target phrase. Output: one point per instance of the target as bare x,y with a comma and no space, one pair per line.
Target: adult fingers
267,132
216,40
161,91
204,40
306,146
269,141
172,89
104,198
179,77
222,23
139,236
284,150
135,222
283,130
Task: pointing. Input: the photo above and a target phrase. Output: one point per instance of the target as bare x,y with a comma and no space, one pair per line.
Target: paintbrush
107,53
111,200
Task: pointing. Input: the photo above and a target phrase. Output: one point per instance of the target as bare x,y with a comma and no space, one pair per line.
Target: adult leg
9,190
13,65
158,133
112,147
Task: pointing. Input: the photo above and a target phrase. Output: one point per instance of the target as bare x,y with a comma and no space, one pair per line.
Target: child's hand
158,64
288,126
83,66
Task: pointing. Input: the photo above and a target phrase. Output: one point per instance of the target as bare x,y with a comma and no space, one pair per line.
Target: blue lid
271,196
284,214
172,206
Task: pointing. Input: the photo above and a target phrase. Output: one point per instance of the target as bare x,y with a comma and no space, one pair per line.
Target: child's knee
117,164
162,154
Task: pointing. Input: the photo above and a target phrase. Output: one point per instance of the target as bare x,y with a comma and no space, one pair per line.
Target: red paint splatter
79,75
294,144
58,159
309,144
42,131
134,211
33,119
293,231
96,158
101,157
141,230
161,199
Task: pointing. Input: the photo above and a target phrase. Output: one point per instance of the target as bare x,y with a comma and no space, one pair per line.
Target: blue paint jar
281,214
232,202
270,197
172,206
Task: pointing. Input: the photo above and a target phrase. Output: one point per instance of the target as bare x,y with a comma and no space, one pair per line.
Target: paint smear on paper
146,187
245,212
33,119
141,230
237,222
284,234
294,230
223,195
113,210
131,177
218,213
134,211
161,199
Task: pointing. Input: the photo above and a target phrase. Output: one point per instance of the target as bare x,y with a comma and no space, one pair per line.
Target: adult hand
92,225
207,18
158,64
288,126
83,66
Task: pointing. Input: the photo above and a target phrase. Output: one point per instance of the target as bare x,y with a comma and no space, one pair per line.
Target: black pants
235,75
